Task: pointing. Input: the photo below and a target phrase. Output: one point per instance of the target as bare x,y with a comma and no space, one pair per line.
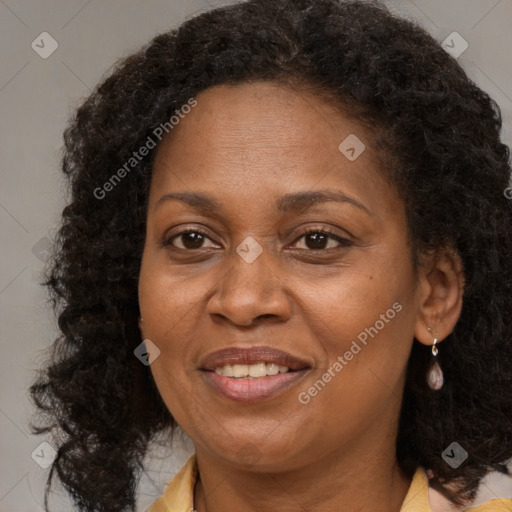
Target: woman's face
230,281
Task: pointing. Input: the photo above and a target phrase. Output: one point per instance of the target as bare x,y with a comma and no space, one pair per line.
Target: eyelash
344,242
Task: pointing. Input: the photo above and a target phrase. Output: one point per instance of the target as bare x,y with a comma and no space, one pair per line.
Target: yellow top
179,495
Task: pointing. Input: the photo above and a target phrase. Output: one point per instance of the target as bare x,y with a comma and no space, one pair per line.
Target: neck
347,481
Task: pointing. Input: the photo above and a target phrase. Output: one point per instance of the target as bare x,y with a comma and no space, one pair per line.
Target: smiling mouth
252,382
251,371
252,374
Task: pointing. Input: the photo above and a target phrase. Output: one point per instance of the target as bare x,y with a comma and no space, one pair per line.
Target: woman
289,235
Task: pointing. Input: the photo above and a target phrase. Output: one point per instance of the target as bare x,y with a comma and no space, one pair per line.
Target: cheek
169,298
343,306
172,305
364,321
361,381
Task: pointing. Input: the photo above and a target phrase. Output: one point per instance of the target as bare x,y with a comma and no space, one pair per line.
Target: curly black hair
439,138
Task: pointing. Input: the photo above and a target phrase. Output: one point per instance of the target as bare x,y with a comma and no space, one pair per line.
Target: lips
249,356
249,389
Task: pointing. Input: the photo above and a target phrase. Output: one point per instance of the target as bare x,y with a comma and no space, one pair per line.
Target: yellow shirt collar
179,494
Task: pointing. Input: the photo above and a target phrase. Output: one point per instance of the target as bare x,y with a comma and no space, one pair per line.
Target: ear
440,294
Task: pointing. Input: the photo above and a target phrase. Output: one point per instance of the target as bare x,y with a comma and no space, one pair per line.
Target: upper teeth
250,370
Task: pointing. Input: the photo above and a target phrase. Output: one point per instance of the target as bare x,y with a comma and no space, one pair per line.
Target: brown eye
318,239
190,239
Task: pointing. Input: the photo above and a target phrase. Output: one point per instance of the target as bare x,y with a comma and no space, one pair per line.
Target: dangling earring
435,377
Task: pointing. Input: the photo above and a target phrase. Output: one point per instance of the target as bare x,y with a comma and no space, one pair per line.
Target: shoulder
179,494
494,495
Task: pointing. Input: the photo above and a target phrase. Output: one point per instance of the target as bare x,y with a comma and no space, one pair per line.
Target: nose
248,293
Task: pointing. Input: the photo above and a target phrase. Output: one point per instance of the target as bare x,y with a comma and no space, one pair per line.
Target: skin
246,146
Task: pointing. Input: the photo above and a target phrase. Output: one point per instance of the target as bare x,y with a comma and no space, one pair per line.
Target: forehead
264,114
258,138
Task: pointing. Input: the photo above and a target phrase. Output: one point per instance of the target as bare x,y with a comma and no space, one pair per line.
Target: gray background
36,98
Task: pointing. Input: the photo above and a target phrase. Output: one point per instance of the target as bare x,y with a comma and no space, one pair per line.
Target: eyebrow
297,202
